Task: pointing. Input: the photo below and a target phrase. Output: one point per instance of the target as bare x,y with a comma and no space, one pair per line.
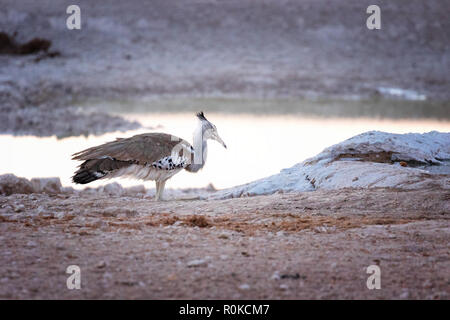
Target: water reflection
258,146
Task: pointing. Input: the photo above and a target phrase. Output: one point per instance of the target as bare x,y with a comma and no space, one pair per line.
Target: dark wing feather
142,149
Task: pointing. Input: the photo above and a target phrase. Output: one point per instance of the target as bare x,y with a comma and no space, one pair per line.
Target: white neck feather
200,149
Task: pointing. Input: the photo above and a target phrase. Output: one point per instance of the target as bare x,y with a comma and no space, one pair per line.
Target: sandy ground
312,245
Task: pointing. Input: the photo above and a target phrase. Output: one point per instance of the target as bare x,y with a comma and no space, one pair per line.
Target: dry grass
244,223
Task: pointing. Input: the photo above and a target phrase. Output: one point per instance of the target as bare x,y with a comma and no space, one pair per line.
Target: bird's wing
142,149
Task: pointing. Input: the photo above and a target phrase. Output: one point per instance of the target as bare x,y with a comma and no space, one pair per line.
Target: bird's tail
83,176
95,169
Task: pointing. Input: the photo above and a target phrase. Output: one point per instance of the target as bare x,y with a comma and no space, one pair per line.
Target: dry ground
310,245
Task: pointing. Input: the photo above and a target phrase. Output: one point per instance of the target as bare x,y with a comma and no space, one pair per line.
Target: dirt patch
247,224
292,223
198,221
380,157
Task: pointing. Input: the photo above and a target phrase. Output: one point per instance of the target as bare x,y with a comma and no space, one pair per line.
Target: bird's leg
159,190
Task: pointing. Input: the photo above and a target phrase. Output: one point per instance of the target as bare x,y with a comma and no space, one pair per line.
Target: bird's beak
219,139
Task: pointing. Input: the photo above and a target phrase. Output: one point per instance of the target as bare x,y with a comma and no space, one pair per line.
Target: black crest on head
201,116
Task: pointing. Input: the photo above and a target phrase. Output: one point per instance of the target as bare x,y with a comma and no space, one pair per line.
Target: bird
148,156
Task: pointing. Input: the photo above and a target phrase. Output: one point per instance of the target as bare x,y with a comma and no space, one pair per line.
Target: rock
101,265
197,263
19,208
31,244
45,214
78,221
363,161
320,229
59,215
68,190
404,294
427,284
47,185
275,276
135,190
112,189
10,184
244,286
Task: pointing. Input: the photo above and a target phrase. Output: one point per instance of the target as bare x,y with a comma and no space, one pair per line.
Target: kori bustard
148,156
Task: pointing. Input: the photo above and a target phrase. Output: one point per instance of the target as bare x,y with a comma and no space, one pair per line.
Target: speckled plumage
149,156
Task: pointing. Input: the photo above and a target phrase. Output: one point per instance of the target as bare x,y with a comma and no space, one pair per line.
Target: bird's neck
200,150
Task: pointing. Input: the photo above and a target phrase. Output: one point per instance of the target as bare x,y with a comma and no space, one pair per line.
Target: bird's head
209,129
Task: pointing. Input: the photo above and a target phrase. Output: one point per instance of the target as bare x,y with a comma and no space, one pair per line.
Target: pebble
19,208
244,286
31,244
197,263
59,215
427,284
275,276
404,294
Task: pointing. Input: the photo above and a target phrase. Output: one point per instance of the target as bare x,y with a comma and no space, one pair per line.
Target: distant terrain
233,49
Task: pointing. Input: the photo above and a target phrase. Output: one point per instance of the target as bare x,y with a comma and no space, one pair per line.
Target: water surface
258,146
